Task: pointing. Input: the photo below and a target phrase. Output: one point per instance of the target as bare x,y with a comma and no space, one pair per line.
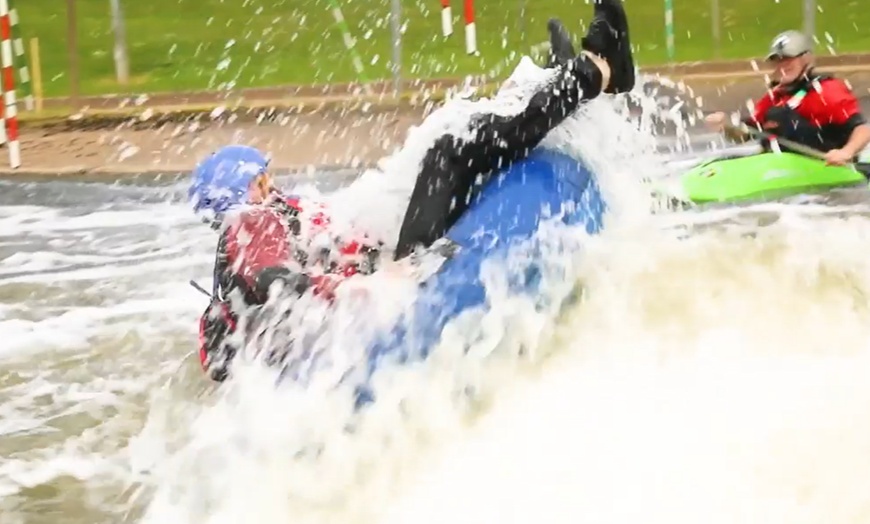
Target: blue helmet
223,179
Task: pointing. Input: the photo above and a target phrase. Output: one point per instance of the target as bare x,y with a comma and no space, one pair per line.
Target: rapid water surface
714,370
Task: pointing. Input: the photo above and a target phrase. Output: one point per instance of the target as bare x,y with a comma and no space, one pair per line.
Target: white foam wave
46,221
728,385
708,370
357,474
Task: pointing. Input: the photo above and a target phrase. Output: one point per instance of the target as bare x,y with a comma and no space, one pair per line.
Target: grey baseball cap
789,44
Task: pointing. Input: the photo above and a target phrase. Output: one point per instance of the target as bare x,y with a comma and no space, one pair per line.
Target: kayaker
266,239
806,106
452,173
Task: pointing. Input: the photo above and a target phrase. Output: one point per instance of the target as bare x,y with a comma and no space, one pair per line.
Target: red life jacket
274,234
816,110
255,239
278,233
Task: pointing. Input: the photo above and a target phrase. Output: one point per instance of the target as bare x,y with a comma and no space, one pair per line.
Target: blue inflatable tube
509,210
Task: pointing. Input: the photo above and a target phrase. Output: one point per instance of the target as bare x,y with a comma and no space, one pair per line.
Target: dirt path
296,139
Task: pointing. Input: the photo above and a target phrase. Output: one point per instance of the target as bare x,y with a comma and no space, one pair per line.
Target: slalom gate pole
10,113
20,58
470,29
446,18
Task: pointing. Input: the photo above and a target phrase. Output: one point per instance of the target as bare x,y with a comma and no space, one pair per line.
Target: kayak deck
764,175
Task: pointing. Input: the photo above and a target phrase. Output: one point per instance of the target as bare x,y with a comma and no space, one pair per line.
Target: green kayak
763,175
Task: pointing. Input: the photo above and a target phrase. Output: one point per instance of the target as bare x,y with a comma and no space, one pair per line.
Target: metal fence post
669,28
396,23
122,58
523,20
72,52
716,20
810,18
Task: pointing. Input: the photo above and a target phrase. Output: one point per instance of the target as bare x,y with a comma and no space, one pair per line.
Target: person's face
789,69
260,188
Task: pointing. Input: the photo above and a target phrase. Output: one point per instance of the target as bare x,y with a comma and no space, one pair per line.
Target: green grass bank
211,44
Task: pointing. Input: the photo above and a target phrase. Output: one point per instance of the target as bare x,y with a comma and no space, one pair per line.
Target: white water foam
250,438
720,379
711,371
89,311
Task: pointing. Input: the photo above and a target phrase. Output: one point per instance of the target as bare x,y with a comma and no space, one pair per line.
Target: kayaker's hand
837,157
325,286
715,121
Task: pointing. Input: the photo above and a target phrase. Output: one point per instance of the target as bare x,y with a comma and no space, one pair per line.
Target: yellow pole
36,69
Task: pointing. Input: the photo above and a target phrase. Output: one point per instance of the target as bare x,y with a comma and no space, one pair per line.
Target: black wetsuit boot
608,38
561,48
454,169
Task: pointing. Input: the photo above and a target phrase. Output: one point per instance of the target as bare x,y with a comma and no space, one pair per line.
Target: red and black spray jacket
280,233
250,240
342,257
267,236
816,110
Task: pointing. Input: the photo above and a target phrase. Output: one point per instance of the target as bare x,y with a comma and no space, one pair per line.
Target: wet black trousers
455,169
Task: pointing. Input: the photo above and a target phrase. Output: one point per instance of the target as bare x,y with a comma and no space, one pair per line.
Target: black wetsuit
454,170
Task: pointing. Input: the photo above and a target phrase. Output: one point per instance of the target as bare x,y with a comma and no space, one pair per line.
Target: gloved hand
325,286
216,324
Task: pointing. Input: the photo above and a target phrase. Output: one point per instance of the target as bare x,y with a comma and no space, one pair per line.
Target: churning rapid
681,367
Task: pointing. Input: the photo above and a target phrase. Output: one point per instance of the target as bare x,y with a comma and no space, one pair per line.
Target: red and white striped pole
470,31
446,18
10,115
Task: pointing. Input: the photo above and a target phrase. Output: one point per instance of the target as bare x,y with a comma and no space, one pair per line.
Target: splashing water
706,366
650,399
353,474
720,378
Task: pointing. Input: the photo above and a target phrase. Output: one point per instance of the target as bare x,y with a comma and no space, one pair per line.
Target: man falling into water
452,173
455,169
